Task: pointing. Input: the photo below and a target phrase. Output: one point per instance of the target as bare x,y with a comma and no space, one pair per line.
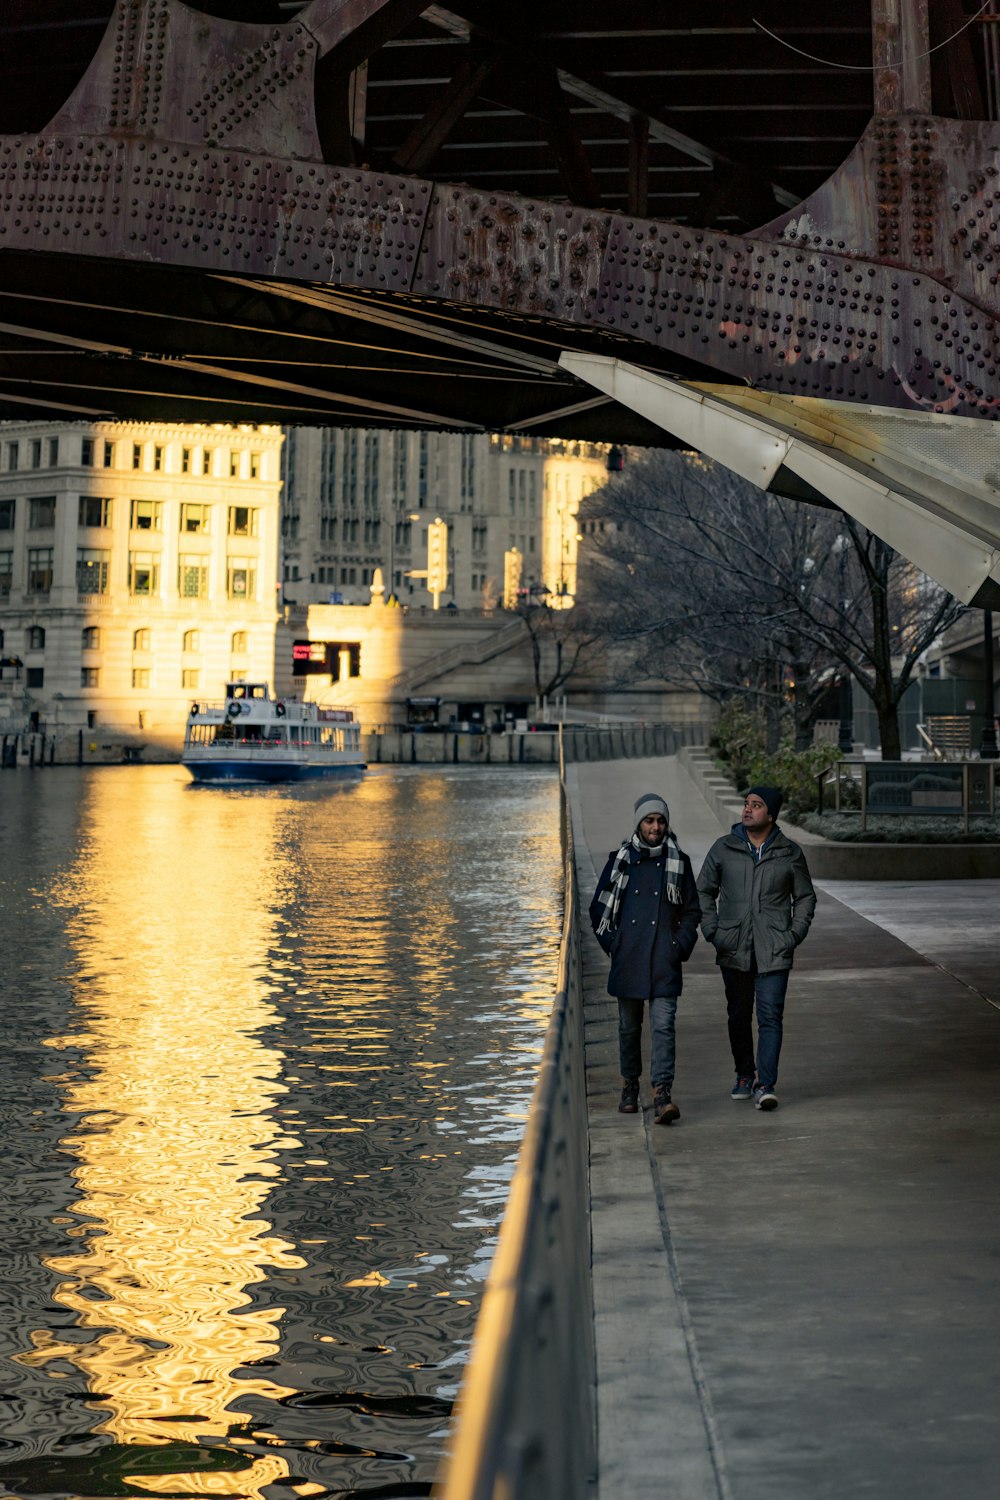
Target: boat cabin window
256,690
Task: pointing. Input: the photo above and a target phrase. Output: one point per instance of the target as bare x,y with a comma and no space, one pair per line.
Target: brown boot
628,1104
665,1111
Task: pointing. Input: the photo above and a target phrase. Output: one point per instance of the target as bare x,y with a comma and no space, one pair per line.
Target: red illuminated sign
309,651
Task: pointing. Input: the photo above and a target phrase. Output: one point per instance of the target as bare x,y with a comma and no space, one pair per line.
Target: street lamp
394,521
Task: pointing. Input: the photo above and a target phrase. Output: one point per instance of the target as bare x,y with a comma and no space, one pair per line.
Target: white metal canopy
927,484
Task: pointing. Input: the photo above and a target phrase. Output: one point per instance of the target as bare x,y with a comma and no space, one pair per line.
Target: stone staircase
717,790
474,653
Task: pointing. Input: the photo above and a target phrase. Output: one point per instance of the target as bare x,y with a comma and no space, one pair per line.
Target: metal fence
525,1417
893,788
626,740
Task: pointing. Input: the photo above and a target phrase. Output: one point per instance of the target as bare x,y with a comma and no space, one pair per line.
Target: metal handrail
525,1417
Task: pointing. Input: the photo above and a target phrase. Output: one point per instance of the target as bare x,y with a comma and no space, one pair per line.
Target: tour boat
254,737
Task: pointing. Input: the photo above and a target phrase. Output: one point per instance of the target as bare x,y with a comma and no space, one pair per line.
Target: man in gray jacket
757,902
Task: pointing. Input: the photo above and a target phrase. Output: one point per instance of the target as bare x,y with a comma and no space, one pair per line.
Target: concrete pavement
803,1303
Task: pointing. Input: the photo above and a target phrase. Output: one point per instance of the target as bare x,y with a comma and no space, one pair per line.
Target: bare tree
560,641
729,590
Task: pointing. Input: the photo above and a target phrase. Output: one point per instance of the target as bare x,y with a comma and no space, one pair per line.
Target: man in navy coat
645,913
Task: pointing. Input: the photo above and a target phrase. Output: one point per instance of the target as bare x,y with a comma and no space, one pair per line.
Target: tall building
138,566
356,500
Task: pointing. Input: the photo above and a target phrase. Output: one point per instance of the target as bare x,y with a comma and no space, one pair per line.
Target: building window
192,577
192,640
90,638
157,458
238,645
8,510
190,678
36,453
141,639
6,573
140,677
53,452
146,515
137,455
144,573
185,460
35,677
109,455
234,465
241,578
195,518
206,460
255,466
90,677
94,511
39,570
93,570
87,452
13,453
242,520
42,512
36,638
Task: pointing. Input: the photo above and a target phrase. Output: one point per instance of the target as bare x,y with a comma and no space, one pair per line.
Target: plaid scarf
611,896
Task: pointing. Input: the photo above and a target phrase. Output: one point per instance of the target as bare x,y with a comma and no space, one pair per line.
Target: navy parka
654,935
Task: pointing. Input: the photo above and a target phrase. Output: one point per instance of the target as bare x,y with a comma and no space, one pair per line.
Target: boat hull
220,769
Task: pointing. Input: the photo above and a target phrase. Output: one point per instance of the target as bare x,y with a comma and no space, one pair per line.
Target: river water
269,1056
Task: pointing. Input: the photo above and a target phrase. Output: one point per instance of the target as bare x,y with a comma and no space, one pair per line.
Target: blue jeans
661,1027
743,988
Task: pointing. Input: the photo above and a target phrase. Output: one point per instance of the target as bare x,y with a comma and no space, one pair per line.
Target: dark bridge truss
219,224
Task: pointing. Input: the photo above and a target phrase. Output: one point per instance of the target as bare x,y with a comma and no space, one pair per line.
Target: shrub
901,829
738,734
741,746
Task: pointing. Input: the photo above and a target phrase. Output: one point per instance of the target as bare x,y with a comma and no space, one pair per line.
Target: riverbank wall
390,746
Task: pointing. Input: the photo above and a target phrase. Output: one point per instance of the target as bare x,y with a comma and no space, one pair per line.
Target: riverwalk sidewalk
804,1303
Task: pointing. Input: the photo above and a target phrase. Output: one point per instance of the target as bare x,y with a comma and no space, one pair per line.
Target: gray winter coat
755,908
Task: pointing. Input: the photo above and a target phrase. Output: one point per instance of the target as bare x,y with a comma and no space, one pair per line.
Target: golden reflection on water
374,969
175,1146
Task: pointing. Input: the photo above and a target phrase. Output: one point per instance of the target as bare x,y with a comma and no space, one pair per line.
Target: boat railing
270,743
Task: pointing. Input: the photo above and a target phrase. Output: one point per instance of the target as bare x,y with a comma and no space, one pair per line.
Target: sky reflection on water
295,1032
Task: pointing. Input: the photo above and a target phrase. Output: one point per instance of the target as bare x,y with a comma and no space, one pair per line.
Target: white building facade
138,566
356,500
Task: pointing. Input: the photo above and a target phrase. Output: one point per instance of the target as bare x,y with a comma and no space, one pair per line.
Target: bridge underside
241,220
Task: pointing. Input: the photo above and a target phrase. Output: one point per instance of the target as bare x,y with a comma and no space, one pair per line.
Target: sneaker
665,1111
764,1098
742,1088
628,1104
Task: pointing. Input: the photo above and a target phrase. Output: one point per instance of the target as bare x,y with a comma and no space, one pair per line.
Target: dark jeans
743,989
661,1027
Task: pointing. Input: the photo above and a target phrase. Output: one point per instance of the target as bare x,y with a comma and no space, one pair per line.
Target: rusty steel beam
354,29
430,133
901,56
889,299
638,165
191,146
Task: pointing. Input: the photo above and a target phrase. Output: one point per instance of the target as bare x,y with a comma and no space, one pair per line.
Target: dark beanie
771,797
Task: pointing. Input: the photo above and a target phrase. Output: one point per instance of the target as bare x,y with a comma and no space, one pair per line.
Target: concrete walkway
804,1303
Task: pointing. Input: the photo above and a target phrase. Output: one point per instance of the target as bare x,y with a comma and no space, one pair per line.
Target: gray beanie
649,804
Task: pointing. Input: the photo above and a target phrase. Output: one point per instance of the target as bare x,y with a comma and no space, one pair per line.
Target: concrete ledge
831,859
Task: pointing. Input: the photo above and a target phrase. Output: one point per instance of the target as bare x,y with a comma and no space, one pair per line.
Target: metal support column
988,748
